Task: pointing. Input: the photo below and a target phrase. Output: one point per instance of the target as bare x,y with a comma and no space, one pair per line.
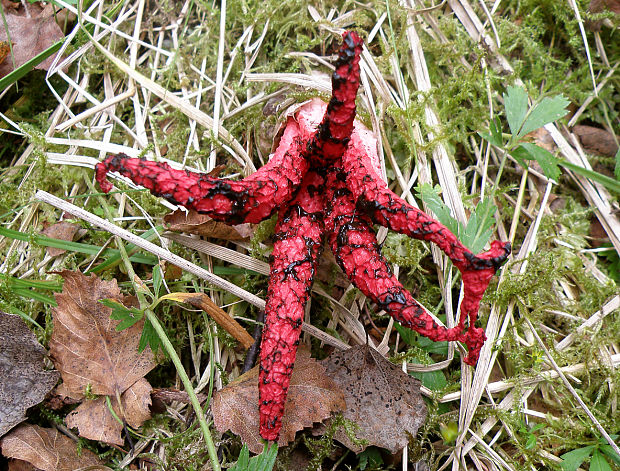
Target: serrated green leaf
547,111
530,442
494,136
515,102
598,462
478,230
547,161
157,280
149,337
430,196
573,459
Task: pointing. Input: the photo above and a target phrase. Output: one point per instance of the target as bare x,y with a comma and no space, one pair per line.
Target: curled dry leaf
89,352
95,422
85,346
312,397
47,449
193,222
24,379
62,230
384,401
30,36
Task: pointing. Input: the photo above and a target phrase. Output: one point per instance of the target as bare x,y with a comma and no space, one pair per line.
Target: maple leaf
25,381
91,354
312,397
30,36
383,400
47,449
193,222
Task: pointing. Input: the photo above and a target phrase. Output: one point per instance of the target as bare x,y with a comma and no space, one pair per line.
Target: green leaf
610,183
598,462
149,337
617,169
610,452
478,230
547,111
30,65
126,316
242,461
371,456
547,161
408,336
573,459
515,102
430,196
262,462
157,280
530,442
494,136
433,380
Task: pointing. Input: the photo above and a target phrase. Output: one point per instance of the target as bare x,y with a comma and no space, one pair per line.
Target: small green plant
262,462
530,434
601,455
370,458
522,120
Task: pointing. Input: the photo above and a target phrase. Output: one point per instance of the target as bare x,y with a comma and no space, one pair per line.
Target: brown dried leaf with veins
85,346
193,222
95,422
30,36
312,397
384,401
24,380
47,449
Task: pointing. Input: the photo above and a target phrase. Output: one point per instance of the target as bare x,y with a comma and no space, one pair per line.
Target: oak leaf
312,397
94,420
25,381
193,222
383,400
47,449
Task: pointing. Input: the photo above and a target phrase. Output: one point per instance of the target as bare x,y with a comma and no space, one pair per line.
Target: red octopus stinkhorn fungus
324,181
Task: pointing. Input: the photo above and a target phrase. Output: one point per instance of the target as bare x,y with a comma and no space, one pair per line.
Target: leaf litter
25,380
92,356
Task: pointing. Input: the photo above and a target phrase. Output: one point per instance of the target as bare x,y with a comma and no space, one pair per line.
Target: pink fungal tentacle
355,247
293,263
333,133
252,199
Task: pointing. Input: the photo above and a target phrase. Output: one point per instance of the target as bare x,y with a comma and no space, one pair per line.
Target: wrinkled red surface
332,161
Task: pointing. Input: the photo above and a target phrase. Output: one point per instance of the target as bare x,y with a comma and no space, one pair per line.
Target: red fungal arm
355,247
334,132
249,200
293,264
388,209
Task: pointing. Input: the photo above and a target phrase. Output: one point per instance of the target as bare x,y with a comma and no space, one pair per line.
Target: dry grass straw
100,119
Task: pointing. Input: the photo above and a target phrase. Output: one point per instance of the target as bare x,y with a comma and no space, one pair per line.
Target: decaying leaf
95,422
90,353
24,381
312,397
62,230
30,36
85,346
384,401
223,319
193,222
47,449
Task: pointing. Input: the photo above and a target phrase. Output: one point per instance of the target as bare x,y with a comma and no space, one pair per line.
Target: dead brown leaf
30,36
85,346
62,230
46,449
95,422
25,381
384,401
19,465
312,397
596,140
193,222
